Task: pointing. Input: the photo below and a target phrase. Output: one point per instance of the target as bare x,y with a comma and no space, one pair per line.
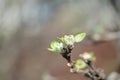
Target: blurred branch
107,36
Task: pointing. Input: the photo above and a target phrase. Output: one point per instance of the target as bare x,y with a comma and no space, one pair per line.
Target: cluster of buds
65,45
62,43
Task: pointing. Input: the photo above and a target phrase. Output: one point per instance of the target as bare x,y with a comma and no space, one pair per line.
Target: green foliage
69,39
65,45
80,64
80,37
56,47
61,44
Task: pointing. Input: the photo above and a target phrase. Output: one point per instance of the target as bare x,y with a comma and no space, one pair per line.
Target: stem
94,73
67,53
91,72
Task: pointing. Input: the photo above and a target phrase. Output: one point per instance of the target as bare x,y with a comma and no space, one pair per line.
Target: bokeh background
28,26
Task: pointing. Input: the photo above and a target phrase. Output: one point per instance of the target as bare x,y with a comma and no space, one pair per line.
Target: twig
91,72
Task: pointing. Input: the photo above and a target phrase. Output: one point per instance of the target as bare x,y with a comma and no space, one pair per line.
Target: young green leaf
61,39
56,47
80,64
50,49
69,39
80,37
53,44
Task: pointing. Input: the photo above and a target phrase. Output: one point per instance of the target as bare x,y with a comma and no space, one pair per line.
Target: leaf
54,44
69,39
80,64
93,58
61,39
80,37
51,49
57,47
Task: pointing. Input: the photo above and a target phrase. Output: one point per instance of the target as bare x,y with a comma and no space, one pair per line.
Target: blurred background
28,26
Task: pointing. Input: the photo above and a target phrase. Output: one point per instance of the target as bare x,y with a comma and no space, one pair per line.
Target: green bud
80,64
89,56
